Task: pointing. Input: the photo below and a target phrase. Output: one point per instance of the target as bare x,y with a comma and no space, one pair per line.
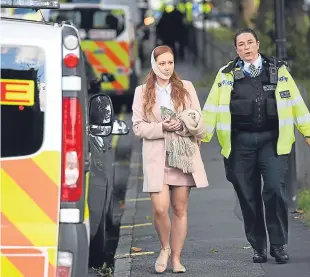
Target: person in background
171,30
253,105
171,155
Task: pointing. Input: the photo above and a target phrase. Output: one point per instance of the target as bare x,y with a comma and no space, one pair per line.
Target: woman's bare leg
179,201
161,202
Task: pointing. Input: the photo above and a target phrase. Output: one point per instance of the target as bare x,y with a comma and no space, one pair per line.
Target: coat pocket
271,109
242,110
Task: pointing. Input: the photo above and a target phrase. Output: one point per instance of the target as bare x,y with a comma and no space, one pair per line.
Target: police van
109,42
46,118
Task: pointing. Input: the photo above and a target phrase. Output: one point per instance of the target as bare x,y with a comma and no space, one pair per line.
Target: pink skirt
176,177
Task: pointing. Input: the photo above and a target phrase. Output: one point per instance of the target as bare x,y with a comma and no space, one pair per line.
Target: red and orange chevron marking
109,57
29,215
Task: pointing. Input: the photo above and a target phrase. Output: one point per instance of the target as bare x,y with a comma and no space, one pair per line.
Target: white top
164,96
258,63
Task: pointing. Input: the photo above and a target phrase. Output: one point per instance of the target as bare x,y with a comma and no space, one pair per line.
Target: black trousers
252,159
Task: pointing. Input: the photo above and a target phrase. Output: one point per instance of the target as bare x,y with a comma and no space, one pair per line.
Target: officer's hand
307,141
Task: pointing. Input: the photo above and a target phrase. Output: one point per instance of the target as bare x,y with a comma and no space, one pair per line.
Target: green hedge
304,204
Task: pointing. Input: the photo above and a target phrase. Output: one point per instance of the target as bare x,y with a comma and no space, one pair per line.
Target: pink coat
153,151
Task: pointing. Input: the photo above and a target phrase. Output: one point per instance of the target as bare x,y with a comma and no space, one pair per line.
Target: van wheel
98,244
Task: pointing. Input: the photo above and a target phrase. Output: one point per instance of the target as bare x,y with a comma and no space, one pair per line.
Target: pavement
215,245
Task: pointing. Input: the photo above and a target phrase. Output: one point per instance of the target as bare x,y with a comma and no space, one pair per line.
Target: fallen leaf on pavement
213,250
148,217
136,249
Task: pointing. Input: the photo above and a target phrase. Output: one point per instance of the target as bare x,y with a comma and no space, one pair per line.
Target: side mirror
100,131
100,115
120,127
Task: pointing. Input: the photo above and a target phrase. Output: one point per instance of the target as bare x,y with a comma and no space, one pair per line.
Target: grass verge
304,205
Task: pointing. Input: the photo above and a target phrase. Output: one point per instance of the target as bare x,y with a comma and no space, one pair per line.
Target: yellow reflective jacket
291,110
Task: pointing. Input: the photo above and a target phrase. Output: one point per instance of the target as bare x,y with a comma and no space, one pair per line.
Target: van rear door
104,32
31,128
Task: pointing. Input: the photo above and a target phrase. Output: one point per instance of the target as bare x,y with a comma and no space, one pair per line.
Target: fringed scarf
180,146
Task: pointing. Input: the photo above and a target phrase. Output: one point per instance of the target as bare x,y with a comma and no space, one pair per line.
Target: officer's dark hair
245,31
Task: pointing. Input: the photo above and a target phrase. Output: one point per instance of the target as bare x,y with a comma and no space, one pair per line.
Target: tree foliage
297,24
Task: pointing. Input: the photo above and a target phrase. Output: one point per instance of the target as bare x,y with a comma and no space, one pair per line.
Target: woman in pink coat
163,91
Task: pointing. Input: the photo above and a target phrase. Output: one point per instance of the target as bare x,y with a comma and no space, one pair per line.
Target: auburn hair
178,93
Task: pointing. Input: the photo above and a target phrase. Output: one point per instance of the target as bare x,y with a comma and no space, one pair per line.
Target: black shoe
280,255
260,256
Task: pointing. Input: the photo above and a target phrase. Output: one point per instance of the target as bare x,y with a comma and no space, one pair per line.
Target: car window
101,24
74,17
23,11
22,100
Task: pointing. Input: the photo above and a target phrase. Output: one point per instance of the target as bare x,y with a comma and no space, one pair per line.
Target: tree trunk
249,12
294,10
237,14
264,7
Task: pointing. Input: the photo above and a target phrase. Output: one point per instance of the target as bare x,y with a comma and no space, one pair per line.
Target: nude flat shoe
179,269
162,260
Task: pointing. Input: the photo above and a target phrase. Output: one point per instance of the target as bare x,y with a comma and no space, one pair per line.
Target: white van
109,42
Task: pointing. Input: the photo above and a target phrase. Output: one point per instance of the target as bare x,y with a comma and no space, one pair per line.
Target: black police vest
253,105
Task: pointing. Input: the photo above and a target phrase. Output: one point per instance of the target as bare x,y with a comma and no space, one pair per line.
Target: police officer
183,36
253,105
170,27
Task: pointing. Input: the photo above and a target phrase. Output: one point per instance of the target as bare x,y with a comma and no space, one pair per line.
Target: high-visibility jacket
169,8
205,7
291,110
189,12
181,7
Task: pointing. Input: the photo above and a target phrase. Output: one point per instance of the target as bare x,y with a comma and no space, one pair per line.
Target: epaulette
230,66
276,61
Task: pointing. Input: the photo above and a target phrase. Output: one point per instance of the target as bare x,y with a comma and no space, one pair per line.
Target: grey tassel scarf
180,146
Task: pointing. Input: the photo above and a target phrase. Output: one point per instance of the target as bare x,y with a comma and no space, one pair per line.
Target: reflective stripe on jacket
290,104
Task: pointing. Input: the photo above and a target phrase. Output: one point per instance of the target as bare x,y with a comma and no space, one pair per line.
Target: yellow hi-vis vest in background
291,110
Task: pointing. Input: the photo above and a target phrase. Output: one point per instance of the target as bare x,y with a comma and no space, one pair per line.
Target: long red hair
178,92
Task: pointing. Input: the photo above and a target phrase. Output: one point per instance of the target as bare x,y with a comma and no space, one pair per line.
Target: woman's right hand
171,125
166,125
